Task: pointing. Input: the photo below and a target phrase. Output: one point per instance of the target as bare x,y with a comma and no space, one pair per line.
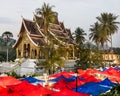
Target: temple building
32,38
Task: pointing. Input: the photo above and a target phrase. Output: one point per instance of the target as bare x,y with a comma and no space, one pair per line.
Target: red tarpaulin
8,80
26,89
67,92
60,84
65,74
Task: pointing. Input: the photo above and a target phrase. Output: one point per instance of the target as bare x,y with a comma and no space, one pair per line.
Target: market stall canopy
8,80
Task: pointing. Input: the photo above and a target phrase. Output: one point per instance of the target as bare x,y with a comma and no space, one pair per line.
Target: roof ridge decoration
33,41
63,43
28,32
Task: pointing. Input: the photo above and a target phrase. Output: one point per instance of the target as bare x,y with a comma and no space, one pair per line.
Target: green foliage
53,62
115,91
78,36
7,44
104,28
89,58
3,54
116,50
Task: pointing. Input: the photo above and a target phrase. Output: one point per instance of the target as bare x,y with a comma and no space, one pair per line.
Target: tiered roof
35,32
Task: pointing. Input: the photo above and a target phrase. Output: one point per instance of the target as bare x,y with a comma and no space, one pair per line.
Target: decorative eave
16,42
33,35
32,41
18,34
56,30
61,42
28,33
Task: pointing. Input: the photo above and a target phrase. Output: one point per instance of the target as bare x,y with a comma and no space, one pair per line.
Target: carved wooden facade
32,38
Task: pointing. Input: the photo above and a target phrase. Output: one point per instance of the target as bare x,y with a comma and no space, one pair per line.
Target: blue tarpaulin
62,77
94,88
32,80
66,79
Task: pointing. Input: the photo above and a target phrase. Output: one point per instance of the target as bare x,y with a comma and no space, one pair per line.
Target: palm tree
108,25
94,35
47,14
78,35
97,35
79,38
6,36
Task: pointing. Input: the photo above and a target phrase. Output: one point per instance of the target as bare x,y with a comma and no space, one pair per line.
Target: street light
76,75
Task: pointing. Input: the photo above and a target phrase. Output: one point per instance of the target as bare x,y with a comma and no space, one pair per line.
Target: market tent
67,92
72,78
91,71
95,88
117,68
8,80
81,82
112,74
65,74
71,82
44,91
91,78
25,89
9,92
60,84
57,79
32,80
1,88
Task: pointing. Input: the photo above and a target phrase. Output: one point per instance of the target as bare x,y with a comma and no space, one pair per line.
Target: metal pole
76,81
7,55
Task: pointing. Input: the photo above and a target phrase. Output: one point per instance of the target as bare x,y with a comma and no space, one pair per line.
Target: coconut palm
108,25
47,14
94,35
78,35
6,36
97,35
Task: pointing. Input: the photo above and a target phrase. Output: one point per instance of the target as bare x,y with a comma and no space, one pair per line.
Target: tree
54,62
78,36
47,14
79,39
52,56
108,25
6,37
94,35
115,91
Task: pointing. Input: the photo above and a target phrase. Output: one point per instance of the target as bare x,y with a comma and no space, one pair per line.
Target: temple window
26,50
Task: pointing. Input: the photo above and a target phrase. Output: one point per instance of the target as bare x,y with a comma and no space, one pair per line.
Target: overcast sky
74,13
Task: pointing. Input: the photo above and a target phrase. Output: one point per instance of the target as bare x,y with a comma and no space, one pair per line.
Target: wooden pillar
73,52
38,52
22,50
16,52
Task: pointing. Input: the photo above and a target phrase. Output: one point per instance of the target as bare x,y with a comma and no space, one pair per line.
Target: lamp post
7,55
76,74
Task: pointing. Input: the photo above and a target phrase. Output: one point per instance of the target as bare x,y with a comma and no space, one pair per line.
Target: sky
74,13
